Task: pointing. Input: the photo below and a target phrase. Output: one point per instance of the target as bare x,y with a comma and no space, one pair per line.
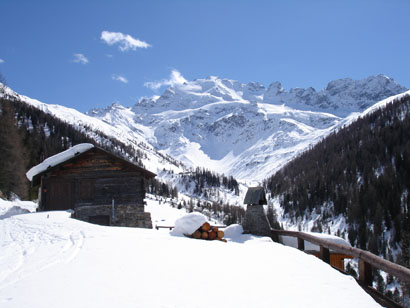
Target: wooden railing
367,260
164,227
172,227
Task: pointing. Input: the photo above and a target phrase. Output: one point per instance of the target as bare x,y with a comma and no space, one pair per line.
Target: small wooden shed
100,187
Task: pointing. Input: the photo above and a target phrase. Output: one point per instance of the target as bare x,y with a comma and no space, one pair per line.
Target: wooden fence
172,227
367,261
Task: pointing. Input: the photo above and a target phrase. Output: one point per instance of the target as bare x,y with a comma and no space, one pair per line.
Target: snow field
50,260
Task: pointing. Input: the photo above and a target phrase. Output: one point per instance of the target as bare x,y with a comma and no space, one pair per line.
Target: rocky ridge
245,130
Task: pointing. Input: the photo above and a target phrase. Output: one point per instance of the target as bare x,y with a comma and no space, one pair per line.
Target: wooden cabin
98,186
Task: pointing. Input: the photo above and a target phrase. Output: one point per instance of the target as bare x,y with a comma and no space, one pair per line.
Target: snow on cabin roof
58,159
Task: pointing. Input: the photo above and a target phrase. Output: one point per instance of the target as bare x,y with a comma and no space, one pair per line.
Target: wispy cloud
125,41
175,78
79,58
2,61
119,78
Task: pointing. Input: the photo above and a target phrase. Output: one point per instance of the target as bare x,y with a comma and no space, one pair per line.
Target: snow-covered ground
8,208
50,260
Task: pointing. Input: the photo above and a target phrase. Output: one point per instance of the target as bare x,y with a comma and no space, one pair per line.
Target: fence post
365,272
301,244
325,254
274,236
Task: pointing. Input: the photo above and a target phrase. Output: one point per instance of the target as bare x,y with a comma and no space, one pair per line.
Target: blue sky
85,54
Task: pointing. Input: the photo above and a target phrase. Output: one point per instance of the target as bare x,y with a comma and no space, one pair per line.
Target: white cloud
80,58
1,61
119,78
174,79
125,41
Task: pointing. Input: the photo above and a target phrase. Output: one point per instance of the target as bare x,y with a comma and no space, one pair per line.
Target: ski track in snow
31,250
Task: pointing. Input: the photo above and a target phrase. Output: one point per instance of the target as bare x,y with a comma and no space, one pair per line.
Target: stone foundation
125,215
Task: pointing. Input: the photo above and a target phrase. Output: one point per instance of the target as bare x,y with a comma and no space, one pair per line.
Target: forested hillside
362,172
28,136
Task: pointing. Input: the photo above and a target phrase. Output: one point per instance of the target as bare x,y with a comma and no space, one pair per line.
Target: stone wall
125,215
255,221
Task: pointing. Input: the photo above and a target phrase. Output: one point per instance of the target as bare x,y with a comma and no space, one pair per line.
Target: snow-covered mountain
133,136
244,130
341,97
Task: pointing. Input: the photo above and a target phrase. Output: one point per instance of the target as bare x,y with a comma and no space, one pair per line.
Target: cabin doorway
59,195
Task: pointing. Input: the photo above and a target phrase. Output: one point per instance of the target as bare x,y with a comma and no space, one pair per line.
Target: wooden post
325,254
274,236
365,272
301,244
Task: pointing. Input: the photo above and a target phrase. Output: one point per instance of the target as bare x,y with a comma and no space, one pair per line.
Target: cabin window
86,190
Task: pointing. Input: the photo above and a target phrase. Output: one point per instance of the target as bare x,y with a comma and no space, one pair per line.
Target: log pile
206,232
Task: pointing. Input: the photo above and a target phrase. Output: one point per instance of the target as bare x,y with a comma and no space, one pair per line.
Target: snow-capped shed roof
58,159
255,195
71,153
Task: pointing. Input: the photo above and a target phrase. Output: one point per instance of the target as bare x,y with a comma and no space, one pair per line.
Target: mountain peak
340,97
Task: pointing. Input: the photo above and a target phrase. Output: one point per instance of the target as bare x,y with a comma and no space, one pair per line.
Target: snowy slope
50,260
124,130
246,130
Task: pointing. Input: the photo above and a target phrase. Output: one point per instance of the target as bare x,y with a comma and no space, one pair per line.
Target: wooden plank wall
94,178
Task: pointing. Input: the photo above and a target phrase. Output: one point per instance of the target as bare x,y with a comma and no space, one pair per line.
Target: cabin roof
53,162
58,159
255,195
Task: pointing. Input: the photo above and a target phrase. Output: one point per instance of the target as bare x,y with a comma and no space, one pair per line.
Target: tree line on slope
204,178
361,171
29,135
